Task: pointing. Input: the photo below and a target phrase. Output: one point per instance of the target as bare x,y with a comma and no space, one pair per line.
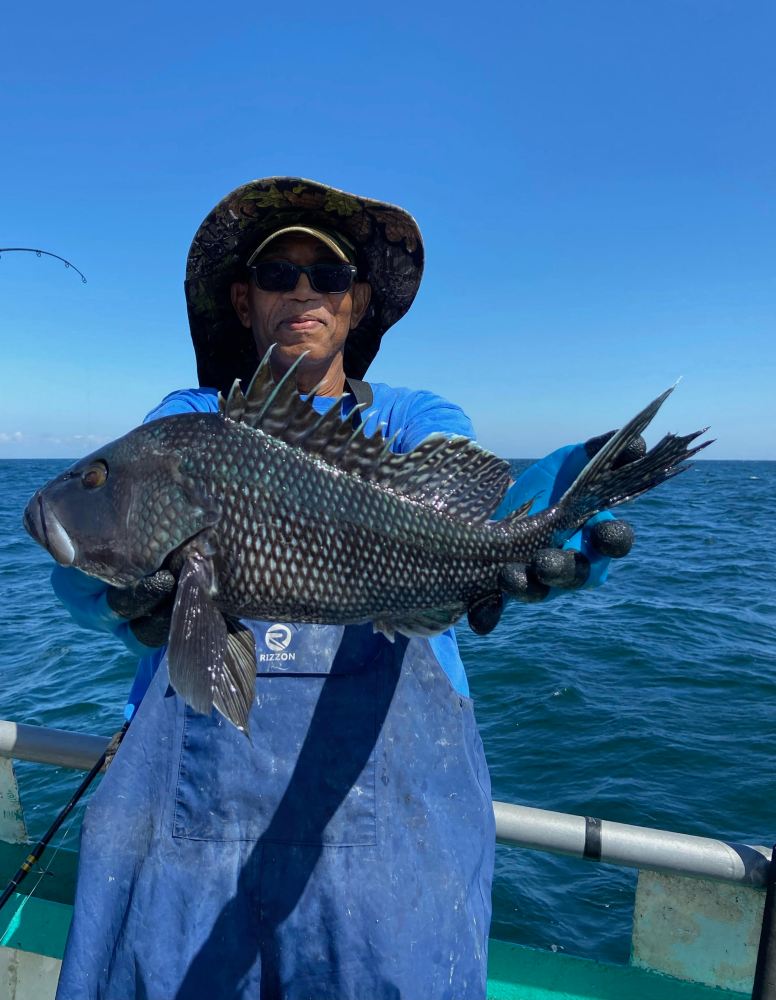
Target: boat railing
43,745
599,840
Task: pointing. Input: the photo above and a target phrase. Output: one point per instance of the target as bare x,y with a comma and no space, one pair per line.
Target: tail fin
599,486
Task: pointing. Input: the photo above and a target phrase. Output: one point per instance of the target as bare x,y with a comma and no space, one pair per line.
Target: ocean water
650,700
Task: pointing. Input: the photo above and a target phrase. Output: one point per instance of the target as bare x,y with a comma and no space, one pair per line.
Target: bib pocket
307,773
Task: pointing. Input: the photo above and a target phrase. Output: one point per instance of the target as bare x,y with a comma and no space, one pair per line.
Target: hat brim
389,256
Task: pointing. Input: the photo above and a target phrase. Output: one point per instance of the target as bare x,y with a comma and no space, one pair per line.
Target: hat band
337,243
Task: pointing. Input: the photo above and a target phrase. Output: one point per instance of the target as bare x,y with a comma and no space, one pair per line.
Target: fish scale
271,510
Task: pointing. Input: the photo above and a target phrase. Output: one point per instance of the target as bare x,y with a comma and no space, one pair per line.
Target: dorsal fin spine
387,447
278,386
258,375
331,415
234,405
357,431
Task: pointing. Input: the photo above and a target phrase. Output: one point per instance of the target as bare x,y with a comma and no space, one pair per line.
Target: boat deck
516,972
34,938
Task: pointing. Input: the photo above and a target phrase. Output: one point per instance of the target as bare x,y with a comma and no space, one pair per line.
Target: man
346,851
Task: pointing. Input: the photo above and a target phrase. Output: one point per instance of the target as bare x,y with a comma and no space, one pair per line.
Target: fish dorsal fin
450,474
234,404
521,512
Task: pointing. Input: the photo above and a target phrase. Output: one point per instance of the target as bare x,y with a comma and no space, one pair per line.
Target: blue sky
594,181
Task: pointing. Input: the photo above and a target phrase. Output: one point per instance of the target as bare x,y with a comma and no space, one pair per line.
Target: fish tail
599,485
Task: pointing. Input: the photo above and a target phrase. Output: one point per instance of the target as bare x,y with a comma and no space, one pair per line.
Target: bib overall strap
363,393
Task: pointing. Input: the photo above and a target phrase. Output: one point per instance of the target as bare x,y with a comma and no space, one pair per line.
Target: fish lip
45,527
32,525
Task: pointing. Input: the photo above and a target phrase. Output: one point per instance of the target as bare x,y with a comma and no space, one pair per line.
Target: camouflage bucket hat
389,252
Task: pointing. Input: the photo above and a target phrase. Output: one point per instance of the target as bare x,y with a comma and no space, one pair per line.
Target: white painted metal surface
25,975
632,846
697,930
13,829
50,746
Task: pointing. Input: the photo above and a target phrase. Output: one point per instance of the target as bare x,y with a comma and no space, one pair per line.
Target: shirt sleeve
185,401
430,414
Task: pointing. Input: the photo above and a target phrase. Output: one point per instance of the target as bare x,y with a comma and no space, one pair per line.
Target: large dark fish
269,510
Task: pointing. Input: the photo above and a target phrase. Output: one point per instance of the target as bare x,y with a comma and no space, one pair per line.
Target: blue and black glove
147,606
584,559
138,615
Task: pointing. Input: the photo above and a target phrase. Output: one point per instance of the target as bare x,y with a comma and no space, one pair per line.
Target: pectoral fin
208,665
236,687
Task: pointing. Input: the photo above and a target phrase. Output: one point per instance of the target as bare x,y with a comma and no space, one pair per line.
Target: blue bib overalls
344,853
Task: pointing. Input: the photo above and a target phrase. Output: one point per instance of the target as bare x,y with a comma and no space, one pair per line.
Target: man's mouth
304,322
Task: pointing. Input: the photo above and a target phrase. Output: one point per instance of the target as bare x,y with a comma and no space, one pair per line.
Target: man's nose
303,290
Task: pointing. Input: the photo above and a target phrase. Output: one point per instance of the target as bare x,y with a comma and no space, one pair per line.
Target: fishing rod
42,253
35,854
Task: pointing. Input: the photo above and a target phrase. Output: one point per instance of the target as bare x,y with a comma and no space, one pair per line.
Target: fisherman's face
302,319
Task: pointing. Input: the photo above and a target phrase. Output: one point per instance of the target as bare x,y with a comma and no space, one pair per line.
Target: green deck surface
516,972
52,878
35,925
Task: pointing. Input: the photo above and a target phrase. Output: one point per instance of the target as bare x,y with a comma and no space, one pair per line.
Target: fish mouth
45,527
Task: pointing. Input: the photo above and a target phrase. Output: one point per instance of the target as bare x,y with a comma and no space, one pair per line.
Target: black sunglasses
282,276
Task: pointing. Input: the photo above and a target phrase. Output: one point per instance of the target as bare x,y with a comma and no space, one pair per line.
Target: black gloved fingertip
143,597
636,448
515,580
566,569
152,630
613,539
594,444
553,567
581,570
485,613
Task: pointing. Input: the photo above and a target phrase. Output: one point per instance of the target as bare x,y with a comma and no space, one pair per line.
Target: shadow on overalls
286,861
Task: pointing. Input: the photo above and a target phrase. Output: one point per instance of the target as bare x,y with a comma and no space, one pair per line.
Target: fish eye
95,475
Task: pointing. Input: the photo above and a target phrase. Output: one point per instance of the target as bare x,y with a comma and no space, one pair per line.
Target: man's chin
289,345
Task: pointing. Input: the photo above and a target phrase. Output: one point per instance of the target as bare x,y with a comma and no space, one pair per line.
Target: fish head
120,512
